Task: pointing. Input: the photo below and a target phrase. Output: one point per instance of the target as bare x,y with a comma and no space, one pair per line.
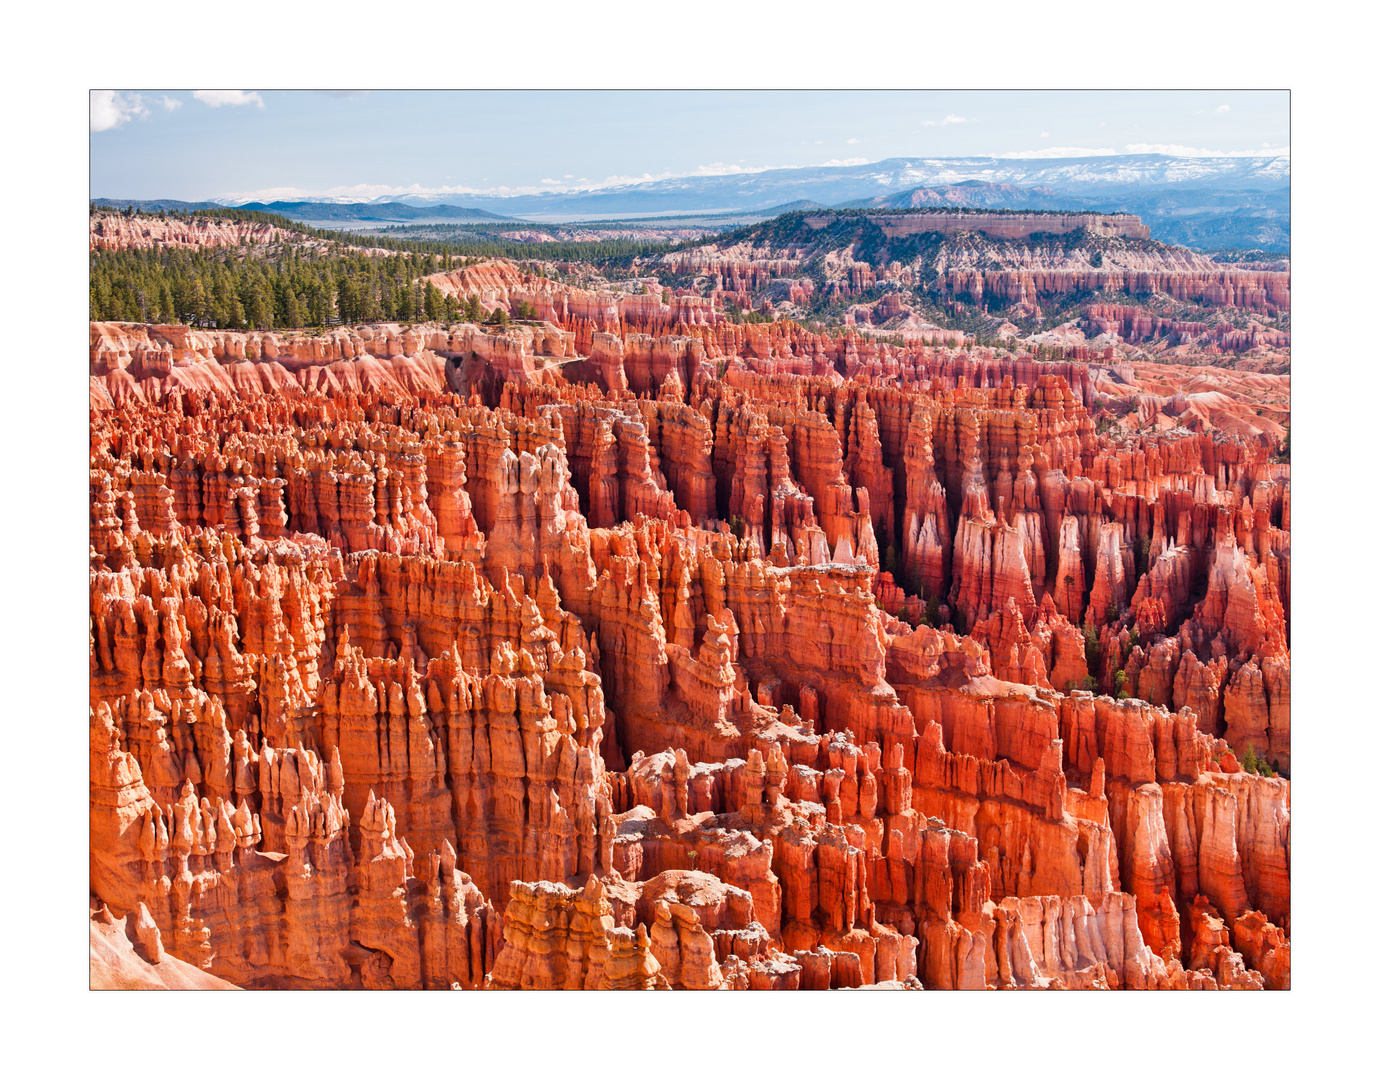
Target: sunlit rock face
632,647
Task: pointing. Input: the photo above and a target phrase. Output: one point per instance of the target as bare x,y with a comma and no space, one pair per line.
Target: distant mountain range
1201,202
154,205
380,212
1104,177
312,211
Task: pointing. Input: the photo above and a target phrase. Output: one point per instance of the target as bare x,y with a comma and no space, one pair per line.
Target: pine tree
434,303
221,298
1092,647
347,293
191,300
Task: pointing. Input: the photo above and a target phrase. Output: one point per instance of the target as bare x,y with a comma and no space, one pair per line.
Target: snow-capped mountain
831,185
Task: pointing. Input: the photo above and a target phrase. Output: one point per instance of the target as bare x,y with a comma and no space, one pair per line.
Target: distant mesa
792,207
998,226
968,193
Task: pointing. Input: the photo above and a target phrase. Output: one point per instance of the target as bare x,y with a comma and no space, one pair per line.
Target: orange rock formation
637,649
115,232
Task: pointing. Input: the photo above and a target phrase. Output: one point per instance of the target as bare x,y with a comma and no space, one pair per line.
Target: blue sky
298,144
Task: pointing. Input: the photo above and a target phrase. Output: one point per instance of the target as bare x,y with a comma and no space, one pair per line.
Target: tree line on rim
231,289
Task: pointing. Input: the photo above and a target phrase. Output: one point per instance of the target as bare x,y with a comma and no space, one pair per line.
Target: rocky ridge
114,232
1122,288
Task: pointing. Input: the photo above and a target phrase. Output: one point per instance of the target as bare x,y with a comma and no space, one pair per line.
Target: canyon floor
627,645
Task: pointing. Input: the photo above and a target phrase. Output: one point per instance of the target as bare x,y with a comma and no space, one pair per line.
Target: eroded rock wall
703,661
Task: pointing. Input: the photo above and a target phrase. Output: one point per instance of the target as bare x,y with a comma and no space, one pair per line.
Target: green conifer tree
434,302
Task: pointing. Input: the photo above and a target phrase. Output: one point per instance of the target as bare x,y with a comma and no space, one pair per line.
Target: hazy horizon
267,145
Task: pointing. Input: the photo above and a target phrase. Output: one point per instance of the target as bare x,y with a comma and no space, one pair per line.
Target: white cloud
1222,108
1175,150
170,103
721,168
950,119
216,98
1044,134
852,141
716,168
1060,152
620,180
110,109
839,162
